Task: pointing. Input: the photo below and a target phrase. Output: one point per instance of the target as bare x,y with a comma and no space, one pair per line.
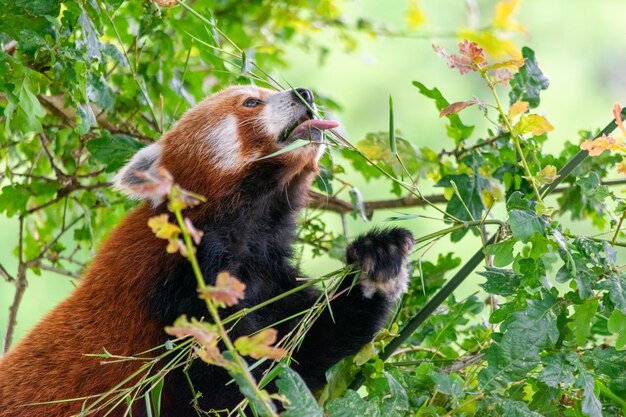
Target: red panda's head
222,141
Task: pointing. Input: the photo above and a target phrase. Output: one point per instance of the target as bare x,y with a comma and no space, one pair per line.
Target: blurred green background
580,47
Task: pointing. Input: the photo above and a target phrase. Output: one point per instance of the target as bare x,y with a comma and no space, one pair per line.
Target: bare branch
5,274
20,287
337,205
59,271
61,176
64,192
331,203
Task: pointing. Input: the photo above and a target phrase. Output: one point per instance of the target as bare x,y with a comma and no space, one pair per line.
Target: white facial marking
280,111
225,145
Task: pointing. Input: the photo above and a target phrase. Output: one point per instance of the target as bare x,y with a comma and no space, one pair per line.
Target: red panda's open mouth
307,128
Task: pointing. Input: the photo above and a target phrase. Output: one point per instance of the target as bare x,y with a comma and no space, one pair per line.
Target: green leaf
392,130
113,150
467,204
617,325
525,224
155,397
386,392
502,252
447,384
616,284
526,333
17,15
248,390
90,36
557,371
500,281
518,201
582,320
350,405
455,129
23,111
300,400
13,199
375,147
510,408
606,360
529,81
591,405
339,378
298,143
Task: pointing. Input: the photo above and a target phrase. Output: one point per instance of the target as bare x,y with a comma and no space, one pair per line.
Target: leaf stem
239,364
604,390
514,137
619,226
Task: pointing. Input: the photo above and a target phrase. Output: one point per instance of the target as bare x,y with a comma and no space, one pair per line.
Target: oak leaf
260,346
597,146
227,290
533,124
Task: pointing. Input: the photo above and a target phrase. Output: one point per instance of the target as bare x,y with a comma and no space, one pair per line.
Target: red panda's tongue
311,124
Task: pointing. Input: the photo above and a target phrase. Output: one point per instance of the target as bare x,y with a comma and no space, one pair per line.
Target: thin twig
5,274
59,271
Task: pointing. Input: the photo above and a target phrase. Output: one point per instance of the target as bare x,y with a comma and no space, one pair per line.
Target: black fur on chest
252,243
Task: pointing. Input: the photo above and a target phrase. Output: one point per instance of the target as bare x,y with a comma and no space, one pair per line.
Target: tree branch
5,274
59,271
20,287
337,205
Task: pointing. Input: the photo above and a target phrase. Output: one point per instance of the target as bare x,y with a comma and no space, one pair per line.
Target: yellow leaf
415,17
260,346
487,198
517,109
621,166
533,124
547,175
503,18
162,228
492,44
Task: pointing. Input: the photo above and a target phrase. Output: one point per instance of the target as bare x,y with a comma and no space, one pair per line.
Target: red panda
133,288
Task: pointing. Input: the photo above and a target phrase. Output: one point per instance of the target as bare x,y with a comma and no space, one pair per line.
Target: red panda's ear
143,165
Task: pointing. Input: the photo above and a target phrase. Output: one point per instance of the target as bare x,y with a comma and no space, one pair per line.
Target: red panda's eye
252,102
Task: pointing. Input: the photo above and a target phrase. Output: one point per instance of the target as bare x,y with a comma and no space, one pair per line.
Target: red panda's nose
303,93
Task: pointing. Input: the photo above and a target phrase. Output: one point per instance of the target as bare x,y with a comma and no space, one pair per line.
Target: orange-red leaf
457,107
601,144
517,109
617,112
195,234
227,290
471,57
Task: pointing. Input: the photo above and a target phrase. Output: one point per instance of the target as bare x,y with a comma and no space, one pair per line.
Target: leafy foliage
85,85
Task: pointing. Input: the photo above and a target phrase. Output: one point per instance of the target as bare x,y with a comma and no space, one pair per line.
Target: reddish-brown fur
105,311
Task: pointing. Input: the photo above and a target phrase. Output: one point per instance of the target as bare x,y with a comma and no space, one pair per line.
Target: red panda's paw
381,256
